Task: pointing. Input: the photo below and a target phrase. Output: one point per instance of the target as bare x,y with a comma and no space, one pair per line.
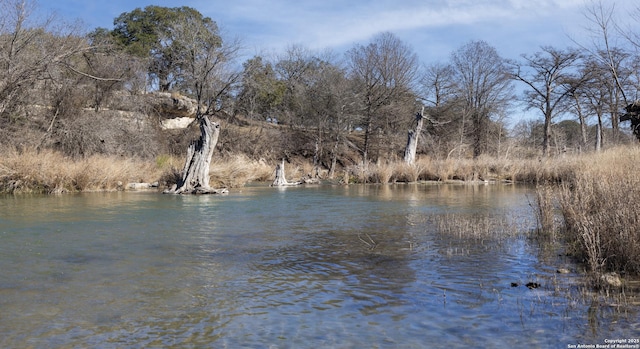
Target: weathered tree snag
412,141
280,180
195,175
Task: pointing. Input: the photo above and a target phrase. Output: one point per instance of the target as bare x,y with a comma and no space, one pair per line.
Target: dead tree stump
280,180
412,140
195,174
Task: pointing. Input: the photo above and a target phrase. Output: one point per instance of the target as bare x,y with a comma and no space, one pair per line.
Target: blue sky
433,28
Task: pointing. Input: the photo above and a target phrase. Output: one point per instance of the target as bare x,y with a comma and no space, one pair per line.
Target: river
323,266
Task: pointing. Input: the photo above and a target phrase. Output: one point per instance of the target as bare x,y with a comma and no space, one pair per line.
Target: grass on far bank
48,171
485,168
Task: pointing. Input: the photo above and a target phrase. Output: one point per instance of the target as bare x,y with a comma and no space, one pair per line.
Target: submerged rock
532,285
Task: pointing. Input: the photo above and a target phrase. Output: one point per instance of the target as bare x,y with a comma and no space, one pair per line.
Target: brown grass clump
600,210
484,168
49,171
545,210
236,171
475,227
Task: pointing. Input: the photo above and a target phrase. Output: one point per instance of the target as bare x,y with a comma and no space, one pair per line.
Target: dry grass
485,168
545,211
236,171
476,227
51,172
599,206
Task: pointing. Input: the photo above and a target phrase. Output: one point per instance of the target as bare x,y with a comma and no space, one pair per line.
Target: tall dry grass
484,168
47,171
600,207
236,171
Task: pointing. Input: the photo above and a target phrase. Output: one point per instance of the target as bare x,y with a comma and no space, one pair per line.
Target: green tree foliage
151,33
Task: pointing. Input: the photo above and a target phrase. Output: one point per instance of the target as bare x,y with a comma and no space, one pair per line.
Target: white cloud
514,26
329,25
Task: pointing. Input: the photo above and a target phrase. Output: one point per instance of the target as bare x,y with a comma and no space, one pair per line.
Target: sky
432,28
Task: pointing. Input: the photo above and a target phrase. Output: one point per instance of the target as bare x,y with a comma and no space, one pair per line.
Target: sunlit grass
47,171
599,206
592,206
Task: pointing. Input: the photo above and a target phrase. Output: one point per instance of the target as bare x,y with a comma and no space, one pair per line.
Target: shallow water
325,267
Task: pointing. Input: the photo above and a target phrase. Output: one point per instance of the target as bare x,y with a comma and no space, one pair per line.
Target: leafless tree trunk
599,135
204,66
412,141
281,180
582,120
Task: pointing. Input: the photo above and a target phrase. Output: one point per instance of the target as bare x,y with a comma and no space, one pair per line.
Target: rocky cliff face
172,105
175,111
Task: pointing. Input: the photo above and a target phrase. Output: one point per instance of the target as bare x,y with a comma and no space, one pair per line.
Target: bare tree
551,80
604,49
328,108
30,50
385,71
446,124
295,68
483,85
38,59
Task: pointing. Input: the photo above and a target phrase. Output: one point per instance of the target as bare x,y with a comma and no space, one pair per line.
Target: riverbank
596,212
48,171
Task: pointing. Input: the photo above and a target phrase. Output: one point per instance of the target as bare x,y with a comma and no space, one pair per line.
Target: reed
475,227
485,168
545,211
47,171
236,171
599,206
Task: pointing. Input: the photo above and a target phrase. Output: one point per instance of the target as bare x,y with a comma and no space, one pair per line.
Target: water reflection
356,266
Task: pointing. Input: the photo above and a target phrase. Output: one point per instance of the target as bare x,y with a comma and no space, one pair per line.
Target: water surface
325,267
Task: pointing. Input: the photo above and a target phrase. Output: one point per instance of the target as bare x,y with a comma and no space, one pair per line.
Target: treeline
59,86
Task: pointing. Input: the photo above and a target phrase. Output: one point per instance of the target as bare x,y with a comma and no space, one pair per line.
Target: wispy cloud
276,24
433,27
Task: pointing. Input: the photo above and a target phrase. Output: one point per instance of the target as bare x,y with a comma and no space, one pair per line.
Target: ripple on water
355,266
